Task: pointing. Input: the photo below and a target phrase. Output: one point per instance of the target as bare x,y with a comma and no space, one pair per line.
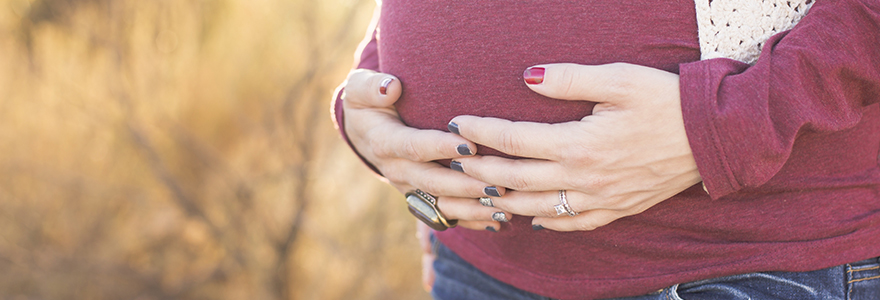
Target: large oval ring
563,207
424,207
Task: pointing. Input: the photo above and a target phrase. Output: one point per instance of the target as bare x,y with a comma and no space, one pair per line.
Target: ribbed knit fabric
787,147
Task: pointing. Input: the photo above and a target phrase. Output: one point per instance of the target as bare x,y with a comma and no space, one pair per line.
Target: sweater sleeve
366,57
742,121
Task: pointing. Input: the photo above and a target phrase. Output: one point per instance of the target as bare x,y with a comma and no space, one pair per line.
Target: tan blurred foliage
182,149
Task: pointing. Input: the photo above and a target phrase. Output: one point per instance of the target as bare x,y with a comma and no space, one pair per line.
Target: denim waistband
866,262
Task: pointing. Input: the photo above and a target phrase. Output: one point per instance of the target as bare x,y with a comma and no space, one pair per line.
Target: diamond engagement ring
563,207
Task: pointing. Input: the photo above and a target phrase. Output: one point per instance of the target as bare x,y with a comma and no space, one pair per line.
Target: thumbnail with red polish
534,75
383,86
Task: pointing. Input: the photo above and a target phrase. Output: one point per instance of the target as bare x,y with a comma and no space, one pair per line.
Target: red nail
534,75
383,87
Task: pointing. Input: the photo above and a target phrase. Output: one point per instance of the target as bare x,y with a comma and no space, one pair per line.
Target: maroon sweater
788,148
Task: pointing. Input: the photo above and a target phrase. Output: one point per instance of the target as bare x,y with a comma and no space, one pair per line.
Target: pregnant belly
467,57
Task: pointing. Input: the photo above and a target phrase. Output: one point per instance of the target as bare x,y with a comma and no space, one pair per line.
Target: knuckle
356,81
586,225
410,151
619,83
430,186
510,141
517,181
568,82
586,181
578,150
377,146
547,210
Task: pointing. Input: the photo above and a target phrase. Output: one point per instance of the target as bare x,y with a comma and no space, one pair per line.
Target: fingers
438,180
599,83
399,141
433,178
367,88
474,215
585,221
539,204
524,139
516,174
374,128
610,84
542,204
592,214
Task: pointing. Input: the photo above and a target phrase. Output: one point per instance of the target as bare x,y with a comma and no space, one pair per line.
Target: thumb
599,83
369,89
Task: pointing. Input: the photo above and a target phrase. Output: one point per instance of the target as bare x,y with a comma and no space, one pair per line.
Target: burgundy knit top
788,148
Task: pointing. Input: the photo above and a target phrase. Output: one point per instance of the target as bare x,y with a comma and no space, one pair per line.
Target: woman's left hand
629,155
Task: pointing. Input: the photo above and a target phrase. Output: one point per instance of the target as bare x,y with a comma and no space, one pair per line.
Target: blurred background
183,149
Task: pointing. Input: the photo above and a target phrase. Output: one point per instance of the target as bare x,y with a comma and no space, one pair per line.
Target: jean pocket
824,284
863,280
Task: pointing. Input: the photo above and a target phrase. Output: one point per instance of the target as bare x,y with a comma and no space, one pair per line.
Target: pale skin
405,155
629,155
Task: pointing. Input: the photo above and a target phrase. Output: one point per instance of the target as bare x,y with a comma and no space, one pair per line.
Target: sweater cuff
698,88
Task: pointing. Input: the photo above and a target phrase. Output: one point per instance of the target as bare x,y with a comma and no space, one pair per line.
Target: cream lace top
737,29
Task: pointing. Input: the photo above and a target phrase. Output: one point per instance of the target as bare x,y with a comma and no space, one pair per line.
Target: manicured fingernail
463,150
453,128
500,217
490,228
383,86
537,227
456,166
534,75
487,202
491,191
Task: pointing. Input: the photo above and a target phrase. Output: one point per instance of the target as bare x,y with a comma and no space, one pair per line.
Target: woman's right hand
405,155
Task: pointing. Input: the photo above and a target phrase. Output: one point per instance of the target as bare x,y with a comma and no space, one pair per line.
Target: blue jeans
458,280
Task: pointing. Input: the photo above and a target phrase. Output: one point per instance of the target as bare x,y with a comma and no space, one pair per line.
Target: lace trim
737,29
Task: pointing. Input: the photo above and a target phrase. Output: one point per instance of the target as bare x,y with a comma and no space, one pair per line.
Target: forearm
742,121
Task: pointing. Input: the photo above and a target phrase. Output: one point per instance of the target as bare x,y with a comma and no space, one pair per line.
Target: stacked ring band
487,202
563,207
424,207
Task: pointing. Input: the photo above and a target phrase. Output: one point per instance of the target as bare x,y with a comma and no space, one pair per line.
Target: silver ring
487,202
500,217
563,207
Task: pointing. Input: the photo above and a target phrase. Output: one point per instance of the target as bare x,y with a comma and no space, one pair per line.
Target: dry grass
182,149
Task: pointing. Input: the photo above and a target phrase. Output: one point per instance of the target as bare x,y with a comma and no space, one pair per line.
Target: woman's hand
404,155
630,155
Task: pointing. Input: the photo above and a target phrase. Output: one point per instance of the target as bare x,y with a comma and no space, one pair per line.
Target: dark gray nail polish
464,150
490,228
453,128
500,217
537,227
491,191
456,166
